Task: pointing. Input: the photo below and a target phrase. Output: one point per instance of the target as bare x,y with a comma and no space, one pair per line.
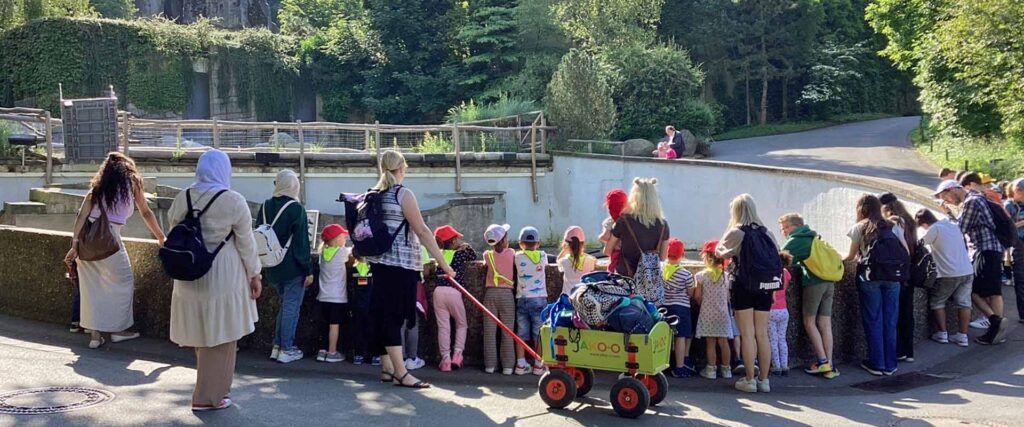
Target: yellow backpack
824,262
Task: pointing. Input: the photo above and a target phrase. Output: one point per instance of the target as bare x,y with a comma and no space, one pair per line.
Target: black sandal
417,384
392,375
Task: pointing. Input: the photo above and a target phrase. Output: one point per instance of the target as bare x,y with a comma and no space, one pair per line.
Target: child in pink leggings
778,322
448,303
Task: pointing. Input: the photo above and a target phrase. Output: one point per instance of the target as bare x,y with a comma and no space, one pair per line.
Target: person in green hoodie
817,294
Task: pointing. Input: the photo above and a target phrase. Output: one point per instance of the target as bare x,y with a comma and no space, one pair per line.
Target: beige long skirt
108,288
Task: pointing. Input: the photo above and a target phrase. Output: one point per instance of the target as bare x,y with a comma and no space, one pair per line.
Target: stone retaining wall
33,286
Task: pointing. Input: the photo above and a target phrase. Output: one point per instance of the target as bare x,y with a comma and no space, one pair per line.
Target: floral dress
715,319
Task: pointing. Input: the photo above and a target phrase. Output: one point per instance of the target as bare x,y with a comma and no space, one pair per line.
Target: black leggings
905,323
392,305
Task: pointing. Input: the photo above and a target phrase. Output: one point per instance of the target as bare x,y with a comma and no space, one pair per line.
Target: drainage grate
51,400
902,382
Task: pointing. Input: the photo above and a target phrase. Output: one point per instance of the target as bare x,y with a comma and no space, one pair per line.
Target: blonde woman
752,308
395,273
643,233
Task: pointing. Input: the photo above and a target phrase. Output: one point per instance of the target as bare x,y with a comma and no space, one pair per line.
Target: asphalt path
876,148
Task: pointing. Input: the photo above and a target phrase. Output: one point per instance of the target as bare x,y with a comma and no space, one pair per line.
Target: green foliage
434,144
17,12
600,24
579,100
147,62
5,147
115,9
829,91
651,85
700,117
305,18
504,106
998,156
489,38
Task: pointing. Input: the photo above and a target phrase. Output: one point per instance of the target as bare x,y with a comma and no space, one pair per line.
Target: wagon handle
526,347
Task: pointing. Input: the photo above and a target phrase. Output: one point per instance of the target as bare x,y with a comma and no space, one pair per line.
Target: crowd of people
744,331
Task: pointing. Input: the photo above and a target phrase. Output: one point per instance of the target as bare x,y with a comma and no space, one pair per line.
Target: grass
997,156
798,126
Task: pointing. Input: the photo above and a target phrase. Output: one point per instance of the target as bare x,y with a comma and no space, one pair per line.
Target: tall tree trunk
746,77
763,119
785,97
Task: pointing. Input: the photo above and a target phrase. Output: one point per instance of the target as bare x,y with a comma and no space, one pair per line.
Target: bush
579,100
504,106
653,87
700,117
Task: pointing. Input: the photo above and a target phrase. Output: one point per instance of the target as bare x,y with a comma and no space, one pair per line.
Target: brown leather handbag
96,242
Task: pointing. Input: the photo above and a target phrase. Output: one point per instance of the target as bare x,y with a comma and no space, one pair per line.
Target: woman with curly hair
107,285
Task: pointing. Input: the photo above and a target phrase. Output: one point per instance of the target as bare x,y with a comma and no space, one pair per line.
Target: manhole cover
51,400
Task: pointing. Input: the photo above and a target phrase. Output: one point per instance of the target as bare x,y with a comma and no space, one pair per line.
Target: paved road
153,380
878,148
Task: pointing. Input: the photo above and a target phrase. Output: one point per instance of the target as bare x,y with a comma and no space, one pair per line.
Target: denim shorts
528,317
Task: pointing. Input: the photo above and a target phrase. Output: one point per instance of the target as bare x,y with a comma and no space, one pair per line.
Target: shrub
504,106
700,117
579,100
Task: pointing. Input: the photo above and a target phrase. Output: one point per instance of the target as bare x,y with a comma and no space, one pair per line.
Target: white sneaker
941,337
709,372
980,323
538,369
960,339
747,386
522,369
414,364
764,386
725,372
490,370
289,356
506,371
275,352
321,356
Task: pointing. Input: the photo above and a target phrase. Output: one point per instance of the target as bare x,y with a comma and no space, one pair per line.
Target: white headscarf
213,172
286,184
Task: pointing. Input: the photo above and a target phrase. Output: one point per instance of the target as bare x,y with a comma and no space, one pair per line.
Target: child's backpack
758,266
923,272
268,247
364,216
887,259
184,255
1005,230
824,261
593,301
631,317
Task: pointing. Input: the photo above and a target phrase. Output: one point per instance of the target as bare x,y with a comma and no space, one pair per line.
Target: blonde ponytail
644,204
390,162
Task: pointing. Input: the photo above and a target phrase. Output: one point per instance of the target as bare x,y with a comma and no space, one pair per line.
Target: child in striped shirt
678,291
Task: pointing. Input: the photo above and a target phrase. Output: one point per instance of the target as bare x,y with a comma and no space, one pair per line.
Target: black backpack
184,255
923,272
887,259
1005,229
758,266
364,216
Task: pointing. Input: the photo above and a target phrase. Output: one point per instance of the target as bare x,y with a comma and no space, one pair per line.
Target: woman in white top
108,284
211,314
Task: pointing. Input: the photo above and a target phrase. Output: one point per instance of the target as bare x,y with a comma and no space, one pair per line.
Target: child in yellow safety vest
360,288
499,298
448,303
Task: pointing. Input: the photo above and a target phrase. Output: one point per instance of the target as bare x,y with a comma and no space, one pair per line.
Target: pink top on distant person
117,214
780,295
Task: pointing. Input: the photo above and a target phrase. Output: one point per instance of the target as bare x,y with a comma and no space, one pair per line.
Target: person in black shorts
752,308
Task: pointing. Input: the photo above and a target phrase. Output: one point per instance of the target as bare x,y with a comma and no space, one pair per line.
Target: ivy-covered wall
149,63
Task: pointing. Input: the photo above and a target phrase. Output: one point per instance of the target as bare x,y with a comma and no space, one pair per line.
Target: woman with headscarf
108,285
294,274
211,314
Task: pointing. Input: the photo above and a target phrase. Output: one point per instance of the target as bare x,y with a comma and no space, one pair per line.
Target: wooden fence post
458,158
126,129
216,135
543,133
366,140
377,141
533,161
49,147
302,163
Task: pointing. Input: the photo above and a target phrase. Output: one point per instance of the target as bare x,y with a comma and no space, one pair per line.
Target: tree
579,100
115,9
829,91
307,17
491,56
600,24
540,44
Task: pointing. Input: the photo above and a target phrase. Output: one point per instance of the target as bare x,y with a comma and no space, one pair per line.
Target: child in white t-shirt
333,298
574,262
531,296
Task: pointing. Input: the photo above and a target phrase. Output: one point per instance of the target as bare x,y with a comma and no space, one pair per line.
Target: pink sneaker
457,360
446,365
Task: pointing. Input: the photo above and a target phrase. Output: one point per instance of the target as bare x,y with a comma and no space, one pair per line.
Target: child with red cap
574,262
448,303
678,291
615,201
714,322
333,296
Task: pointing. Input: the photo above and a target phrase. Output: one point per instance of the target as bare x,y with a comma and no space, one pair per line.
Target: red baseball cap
445,233
676,248
332,231
710,246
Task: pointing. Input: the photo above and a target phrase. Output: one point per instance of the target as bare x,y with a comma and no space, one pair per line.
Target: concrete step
16,208
57,201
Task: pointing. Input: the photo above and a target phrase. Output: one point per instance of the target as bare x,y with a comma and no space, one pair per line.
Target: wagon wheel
630,398
584,380
557,388
657,386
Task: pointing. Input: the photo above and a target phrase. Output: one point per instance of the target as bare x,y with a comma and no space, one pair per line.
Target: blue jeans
291,292
879,313
528,317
